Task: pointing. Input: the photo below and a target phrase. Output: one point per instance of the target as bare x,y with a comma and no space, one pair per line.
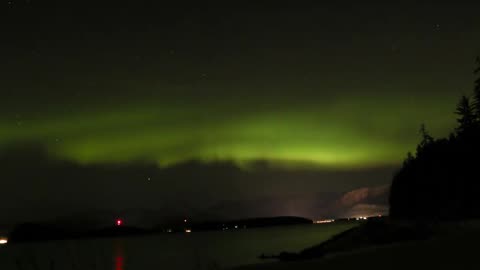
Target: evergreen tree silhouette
476,90
426,139
440,182
466,114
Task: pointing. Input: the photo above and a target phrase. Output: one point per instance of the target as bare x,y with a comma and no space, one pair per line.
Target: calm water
206,250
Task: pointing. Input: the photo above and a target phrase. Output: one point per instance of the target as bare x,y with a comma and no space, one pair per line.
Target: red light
119,261
119,222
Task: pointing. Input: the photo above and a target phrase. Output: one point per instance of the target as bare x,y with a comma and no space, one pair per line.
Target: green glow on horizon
343,133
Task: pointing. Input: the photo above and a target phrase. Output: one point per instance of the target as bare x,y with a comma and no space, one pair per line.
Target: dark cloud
369,195
365,201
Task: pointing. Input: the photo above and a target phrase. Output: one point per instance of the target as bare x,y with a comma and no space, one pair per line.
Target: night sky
154,110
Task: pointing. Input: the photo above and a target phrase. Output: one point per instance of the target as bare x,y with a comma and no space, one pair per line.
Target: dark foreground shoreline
383,244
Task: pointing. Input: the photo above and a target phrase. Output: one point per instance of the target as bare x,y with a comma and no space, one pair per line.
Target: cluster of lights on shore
187,230
3,241
324,221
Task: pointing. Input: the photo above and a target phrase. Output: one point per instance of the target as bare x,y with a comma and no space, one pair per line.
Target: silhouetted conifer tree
440,182
409,160
426,139
476,91
466,114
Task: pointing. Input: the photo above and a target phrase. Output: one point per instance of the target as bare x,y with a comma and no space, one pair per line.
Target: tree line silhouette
441,180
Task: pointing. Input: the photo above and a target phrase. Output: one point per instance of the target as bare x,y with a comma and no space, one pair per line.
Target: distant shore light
119,222
3,241
324,221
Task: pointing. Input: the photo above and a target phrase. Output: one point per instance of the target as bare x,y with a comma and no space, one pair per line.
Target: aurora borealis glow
341,133
308,89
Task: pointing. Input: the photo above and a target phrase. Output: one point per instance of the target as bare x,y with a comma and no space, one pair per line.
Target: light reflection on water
119,255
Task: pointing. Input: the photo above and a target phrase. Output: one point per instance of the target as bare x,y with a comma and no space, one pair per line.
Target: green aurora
343,133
